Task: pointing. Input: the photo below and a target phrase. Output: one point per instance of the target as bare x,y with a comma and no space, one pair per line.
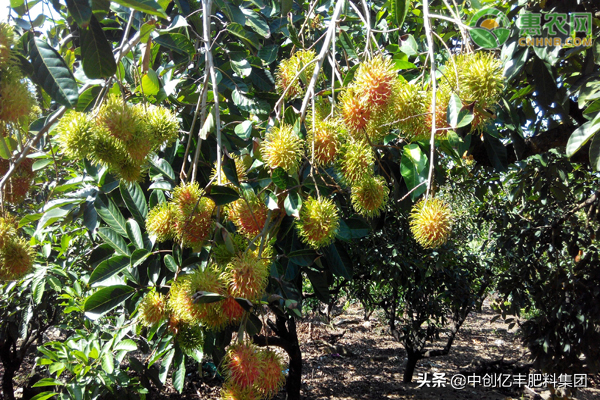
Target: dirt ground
367,363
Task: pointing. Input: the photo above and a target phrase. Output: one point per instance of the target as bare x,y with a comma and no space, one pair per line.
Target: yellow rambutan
242,364
233,391
16,258
189,338
247,276
186,197
248,214
163,124
152,309
160,222
431,222
354,110
410,108
374,81
356,161
369,196
181,301
194,228
7,40
282,148
271,378
8,230
318,222
480,78
287,70
76,135
120,119
15,100
326,140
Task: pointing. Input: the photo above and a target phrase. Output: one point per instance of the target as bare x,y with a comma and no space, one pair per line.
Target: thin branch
182,174
427,23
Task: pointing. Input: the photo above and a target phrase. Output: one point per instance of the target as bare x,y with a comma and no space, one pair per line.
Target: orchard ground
373,363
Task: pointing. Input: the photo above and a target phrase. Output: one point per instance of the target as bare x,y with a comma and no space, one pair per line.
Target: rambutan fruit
107,151
431,222
282,148
271,378
232,309
8,230
15,100
247,276
354,110
248,214
480,78
140,145
160,222
410,108
222,254
242,364
186,197
240,169
233,391
189,338
369,196
318,222
17,187
163,124
121,120
326,140
16,258
287,70
152,309
443,96
193,229
76,135
181,302
7,40
356,161
129,170
374,81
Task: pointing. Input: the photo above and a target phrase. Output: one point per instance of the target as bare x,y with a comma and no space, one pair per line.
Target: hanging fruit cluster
16,254
121,137
17,106
251,373
431,222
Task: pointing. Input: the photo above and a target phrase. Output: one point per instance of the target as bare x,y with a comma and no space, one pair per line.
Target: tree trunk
410,366
9,369
294,382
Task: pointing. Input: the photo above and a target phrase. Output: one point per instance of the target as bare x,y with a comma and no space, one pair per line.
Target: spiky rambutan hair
16,258
282,148
318,222
355,162
152,309
247,276
242,364
287,70
431,222
370,196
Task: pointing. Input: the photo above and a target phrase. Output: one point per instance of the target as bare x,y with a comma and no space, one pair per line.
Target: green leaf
319,283
268,53
244,130
239,31
339,261
114,240
410,46
348,46
222,195
88,98
253,106
81,11
165,365
50,217
496,152
280,178
413,168
595,153
139,256
292,204
254,21
108,364
163,167
41,164
179,372
170,263
147,6
352,228
134,233
176,42
230,171
303,258
52,73
202,297
150,83
96,53
134,199
109,212
127,345
581,135
108,268
44,395
399,9
106,299
48,382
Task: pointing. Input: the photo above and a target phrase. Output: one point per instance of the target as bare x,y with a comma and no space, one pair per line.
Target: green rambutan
369,196
15,100
76,135
318,222
163,124
248,214
242,364
443,96
431,222
152,309
374,81
271,378
8,230
160,222
282,148
480,78
233,391
247,276
129,170
287,70
7,40
120,119
410,108
189,337
16,258
107,150
356,161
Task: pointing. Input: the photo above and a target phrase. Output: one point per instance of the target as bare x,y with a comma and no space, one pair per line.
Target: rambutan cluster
251,372
16,254
187,217
289,68
121,137
431,222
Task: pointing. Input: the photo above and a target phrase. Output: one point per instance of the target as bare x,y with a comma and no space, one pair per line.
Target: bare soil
366,362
